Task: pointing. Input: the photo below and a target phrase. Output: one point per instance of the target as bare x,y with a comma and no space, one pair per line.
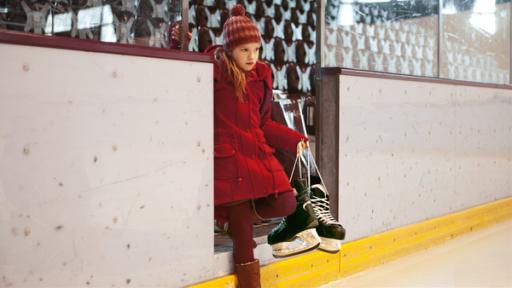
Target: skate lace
322,210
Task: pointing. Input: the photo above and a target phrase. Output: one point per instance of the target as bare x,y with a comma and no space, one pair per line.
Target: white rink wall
411,151
106,165
106,169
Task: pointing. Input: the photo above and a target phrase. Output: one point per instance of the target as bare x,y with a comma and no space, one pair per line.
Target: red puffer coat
245,138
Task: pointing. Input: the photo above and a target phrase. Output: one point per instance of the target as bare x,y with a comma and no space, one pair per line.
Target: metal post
184,25
440,35
327,118
320,12
318,79
327,145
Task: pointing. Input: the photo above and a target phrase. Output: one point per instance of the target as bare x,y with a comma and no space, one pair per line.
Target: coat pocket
225,164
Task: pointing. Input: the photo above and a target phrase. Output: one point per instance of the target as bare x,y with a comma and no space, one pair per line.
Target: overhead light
449,8
60,23
374,1
485,6
89,18
96,17
346,14
483,16
484,22
108,34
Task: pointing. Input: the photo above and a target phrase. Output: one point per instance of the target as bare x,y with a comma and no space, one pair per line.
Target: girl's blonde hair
238,76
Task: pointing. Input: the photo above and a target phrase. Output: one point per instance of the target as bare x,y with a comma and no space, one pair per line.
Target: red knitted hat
239,29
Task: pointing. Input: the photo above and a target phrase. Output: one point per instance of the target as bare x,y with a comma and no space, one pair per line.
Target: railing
460,40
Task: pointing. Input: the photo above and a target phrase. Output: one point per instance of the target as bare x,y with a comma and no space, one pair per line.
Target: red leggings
241,218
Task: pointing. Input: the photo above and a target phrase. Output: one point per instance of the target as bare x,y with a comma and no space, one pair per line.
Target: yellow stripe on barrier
317,268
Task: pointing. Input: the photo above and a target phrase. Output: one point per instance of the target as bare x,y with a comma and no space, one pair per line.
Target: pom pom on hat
238,10
239,29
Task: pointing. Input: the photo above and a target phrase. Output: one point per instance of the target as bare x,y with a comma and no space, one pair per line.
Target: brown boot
248,274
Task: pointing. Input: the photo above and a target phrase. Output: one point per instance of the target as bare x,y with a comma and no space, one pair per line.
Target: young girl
249,183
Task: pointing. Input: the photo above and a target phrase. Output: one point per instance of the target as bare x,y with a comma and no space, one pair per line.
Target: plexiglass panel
144,22
475,42
381,35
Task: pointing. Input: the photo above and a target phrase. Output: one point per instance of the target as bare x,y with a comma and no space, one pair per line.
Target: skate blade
330,245
304,241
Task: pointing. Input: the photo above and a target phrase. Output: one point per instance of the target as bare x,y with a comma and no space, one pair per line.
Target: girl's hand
301,146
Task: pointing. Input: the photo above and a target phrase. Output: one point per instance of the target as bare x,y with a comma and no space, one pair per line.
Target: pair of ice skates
311,226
